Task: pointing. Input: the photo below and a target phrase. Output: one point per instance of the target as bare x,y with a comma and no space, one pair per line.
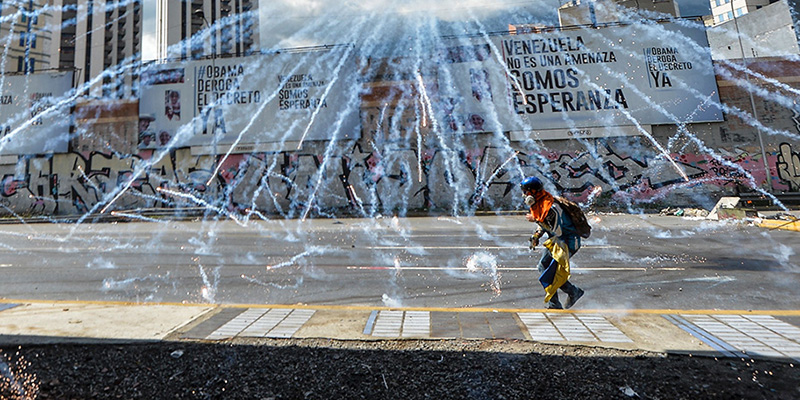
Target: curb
779,224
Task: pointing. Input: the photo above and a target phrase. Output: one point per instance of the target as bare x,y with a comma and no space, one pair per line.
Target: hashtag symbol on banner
202,73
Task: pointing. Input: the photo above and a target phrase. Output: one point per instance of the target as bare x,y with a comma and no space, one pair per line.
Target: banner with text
568,79
257,103
35,113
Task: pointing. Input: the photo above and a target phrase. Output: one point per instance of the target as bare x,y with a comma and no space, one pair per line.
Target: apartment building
99,39
25,37
725,10
206,28
769,31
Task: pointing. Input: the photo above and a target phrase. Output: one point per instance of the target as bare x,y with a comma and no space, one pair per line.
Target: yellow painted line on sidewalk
777,224
786,313
101,303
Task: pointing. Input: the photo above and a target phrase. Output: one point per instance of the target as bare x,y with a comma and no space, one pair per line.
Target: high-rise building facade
107,43
25,35
203,28
766,32
726,10
99,39
598,12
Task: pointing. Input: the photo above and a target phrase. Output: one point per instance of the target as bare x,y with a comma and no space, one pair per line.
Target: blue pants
573,243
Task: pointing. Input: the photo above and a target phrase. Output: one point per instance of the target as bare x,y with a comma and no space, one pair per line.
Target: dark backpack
576,215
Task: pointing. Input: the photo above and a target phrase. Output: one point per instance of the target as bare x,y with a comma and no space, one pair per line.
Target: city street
630,262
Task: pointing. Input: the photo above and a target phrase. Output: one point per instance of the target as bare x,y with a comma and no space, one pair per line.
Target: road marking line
60,303
574,269
470,247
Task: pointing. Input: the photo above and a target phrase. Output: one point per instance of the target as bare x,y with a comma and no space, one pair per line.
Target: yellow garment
559,251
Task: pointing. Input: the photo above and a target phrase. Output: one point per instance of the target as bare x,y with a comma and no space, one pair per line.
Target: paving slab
731,333
56,322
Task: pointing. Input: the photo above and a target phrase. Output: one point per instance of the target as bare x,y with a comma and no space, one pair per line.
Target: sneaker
554,305
573,298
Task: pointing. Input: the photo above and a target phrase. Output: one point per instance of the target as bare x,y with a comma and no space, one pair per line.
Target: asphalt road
630,262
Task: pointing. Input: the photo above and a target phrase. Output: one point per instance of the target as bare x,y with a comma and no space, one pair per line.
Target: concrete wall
474,172
611,11
767,32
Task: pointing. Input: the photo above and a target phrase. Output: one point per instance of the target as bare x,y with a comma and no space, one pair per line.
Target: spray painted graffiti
365,180
789,166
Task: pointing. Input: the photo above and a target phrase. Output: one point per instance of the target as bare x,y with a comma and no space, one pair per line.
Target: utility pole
768,182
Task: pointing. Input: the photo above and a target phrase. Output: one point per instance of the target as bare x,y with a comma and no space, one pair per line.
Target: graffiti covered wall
367,181
394,171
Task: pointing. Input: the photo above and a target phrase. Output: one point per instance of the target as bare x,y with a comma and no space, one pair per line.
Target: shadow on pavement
412,369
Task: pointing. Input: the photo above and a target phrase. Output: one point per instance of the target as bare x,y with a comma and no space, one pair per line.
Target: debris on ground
685,212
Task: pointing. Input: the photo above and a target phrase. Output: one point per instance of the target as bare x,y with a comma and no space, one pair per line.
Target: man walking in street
563,241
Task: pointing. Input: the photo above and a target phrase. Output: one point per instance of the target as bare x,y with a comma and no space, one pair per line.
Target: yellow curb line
776,224
787,313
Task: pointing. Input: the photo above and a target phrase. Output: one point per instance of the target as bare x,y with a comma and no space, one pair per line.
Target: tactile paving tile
402,324
740,335
388,324
417,324
291,324
273,323
237,325
604,330
572,327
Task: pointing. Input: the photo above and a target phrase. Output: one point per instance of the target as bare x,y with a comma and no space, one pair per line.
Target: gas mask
529,200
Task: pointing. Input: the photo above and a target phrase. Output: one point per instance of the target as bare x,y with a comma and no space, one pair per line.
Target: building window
20,63
22,36
33,40
740,11
719,3
721,17
730,14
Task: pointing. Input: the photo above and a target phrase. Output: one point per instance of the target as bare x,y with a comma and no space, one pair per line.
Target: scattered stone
407,369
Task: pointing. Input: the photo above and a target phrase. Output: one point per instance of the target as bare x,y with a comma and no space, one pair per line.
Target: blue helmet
531,184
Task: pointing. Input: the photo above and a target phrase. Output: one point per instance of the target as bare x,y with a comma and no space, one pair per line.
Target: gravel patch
392,369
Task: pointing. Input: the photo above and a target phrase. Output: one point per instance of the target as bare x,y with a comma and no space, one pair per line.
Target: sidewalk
755,334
